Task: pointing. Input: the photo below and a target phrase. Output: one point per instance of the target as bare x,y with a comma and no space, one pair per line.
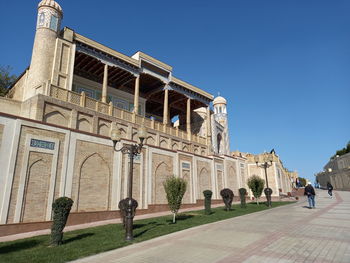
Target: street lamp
128,205
267,162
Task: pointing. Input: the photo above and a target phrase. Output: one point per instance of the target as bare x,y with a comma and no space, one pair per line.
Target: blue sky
283,66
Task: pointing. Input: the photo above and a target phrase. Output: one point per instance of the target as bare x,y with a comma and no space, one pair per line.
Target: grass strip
94,240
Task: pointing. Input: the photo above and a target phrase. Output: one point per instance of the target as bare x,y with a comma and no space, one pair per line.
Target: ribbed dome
219,100
52,4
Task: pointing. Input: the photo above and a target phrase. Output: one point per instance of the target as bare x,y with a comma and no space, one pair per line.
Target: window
54,22
41,19
219,138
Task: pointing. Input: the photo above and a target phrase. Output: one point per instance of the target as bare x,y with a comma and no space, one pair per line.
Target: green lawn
90,241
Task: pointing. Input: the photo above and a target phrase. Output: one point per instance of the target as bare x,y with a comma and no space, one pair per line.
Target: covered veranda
167,98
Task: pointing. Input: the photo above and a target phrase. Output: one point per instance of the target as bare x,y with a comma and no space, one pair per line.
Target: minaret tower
47,28
220,115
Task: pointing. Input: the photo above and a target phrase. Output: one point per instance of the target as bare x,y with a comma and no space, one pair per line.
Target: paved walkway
290,233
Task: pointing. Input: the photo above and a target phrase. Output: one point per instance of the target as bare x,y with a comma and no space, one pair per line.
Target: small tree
227,197
6,79
61,208
242,194
207,201
175,189
302,181
256,184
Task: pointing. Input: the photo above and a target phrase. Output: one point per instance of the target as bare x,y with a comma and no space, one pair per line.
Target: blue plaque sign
42,144
186,166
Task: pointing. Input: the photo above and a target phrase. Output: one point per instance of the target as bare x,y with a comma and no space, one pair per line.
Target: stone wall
43,161
340,179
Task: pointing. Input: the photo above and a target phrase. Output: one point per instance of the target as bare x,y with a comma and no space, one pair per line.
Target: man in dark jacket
330,189
310,193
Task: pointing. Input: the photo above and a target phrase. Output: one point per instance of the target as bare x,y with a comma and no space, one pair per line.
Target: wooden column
105,84
208,128
188,118
166,107
136,94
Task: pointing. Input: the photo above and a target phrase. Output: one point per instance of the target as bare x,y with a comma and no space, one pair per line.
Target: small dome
51,3
219,100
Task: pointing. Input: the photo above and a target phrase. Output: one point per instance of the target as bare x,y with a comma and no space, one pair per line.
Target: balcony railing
108,109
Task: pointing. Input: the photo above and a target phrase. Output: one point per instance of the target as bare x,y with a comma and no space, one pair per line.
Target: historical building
337,172
56,121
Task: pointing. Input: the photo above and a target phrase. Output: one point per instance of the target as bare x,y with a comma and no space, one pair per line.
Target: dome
219,100
51,3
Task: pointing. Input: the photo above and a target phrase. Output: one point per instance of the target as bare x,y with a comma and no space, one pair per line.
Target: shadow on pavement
306,207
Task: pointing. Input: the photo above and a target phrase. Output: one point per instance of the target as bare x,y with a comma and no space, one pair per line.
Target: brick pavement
287,234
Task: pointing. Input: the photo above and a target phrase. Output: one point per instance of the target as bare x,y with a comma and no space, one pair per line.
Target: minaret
220,115
47,28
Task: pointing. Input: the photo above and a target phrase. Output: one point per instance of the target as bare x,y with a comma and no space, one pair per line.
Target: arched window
219,138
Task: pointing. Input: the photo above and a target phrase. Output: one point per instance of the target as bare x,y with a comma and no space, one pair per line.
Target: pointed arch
219,140
103,129
134,136
93,192
122,132
204,182
231,178
35,197
56,117
161,172
163,144
175,146
150,140
84,125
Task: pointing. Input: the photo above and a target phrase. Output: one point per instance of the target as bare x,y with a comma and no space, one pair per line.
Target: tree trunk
174,215
257,201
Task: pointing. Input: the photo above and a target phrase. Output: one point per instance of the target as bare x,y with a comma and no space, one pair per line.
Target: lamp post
267,162
128,205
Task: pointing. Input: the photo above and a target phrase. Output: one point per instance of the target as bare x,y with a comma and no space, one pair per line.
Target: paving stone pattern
291,233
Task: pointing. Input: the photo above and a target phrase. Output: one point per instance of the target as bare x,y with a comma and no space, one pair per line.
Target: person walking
330,189
310,193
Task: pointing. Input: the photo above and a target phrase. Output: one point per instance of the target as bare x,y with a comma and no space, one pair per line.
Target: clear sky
283,66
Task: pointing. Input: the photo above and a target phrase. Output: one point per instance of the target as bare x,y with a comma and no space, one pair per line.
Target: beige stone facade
337,172
56,121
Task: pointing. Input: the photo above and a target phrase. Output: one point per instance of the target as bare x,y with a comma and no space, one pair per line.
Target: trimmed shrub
227,197
242,195
207,201
175,189
256,184
61,208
